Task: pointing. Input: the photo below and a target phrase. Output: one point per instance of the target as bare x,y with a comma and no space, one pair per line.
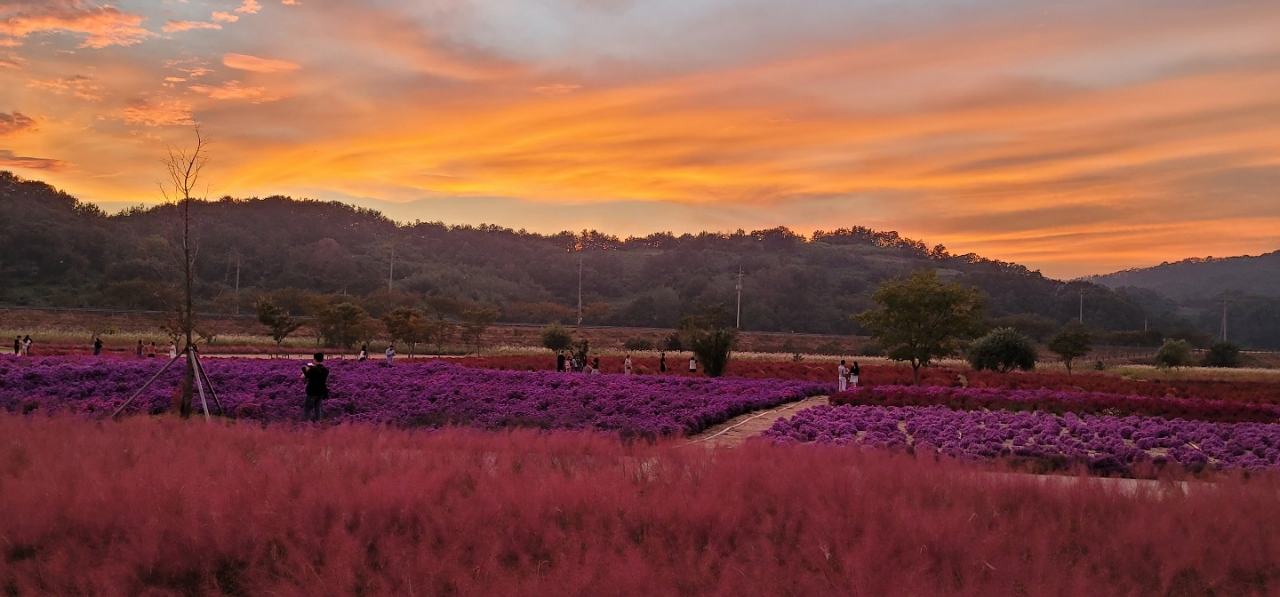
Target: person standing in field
17,345
560,362
138,349
317,376
626,366
391,353
853,374
97,346
843,373
151,351
364,353
595,366
173,350
693,364
662,362
26,346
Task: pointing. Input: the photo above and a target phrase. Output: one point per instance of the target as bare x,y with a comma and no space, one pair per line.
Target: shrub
1174,353
638,343
557,338
1003,350
1222,354
673,342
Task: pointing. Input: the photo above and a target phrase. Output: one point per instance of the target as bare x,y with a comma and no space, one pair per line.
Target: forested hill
1204,278
58,251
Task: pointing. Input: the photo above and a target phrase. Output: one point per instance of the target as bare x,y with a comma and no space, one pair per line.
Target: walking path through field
739,429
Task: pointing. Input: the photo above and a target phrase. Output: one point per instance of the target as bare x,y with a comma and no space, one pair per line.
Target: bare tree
184,166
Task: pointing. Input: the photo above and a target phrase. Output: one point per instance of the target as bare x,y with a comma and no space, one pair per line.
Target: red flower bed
1260,392
165,507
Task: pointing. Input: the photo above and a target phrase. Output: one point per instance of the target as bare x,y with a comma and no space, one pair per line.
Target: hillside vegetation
58,251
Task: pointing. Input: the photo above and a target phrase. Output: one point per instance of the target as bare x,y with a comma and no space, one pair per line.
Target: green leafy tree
277,320
342,324
1222,354
1003,350
711,338
475,322
921,319
408,325
441,310
556,338
1071,343
1174,353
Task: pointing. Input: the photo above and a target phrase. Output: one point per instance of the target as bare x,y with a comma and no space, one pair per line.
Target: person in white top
173,351
626,365
843,373
693,364
391,353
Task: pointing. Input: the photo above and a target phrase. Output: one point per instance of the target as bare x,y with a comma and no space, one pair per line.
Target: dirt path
743,427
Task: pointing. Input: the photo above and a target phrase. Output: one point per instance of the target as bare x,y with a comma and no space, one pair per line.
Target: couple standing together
848,375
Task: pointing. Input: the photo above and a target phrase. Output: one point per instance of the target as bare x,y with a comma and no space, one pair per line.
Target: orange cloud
232,90
159,112
102,25
249,7
9,160
176,26
225,17
256,64
17,122
80,86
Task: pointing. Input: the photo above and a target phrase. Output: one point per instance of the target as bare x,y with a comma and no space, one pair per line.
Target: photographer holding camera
317,376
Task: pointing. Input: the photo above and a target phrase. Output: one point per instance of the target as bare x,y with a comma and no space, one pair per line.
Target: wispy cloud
256,64
232,90
9,160
81,86
158,112
17,122
101,26
176,26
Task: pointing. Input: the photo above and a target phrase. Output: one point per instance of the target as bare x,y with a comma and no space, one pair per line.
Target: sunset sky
1074,137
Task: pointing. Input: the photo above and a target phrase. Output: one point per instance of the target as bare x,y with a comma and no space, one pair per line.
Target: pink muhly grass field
165,507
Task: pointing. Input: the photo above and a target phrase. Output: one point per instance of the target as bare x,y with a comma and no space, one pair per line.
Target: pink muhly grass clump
161,506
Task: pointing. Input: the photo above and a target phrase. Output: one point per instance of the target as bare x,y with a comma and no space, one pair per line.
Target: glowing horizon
1075,139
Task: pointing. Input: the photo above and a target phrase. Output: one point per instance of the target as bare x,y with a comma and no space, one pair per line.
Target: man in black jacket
317,376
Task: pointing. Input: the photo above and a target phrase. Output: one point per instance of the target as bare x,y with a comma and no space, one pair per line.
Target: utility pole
1082,304
738,323
1224,318
237,281
579,291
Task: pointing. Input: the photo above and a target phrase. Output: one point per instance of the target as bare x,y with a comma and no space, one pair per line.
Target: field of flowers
1107,444
1059,402
158,506
420,393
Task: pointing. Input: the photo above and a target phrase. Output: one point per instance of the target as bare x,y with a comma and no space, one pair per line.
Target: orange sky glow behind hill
1074,138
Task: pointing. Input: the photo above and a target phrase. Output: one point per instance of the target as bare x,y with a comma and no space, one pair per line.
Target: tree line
308,257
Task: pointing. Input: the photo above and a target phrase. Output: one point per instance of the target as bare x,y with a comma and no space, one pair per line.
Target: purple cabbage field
429,393
1107,443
